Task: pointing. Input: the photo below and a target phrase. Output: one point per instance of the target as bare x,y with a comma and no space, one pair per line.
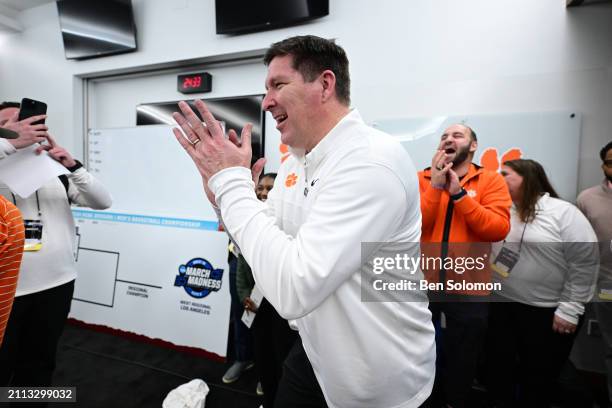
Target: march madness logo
199,278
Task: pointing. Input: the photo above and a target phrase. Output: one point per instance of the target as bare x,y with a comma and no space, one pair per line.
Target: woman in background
547,267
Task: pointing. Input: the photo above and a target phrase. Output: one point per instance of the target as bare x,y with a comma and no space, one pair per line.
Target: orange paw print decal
291,180
489,159
284,149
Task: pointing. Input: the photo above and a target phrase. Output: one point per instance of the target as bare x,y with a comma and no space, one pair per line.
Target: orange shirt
482,216
11,251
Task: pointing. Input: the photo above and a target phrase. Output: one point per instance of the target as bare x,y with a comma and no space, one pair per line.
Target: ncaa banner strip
146,220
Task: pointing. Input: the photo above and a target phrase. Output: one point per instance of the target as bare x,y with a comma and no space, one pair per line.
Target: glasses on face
607,163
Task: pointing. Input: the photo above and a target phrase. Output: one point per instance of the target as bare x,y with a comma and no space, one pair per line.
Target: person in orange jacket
11,251
11,248
464,208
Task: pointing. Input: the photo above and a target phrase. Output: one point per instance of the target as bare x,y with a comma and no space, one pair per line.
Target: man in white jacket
345,184
48,270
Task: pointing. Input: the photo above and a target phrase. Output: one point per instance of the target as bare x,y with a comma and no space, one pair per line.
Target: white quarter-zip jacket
548,271
53,265
304,246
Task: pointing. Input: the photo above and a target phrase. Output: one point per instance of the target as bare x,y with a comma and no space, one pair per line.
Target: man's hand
439,169
453,185
57,152
258,166
207,146
562,326
209,149
28,133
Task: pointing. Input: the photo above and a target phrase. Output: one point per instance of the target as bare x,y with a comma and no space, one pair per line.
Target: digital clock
194,83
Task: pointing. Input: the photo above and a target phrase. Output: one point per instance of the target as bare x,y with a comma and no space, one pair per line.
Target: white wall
408,58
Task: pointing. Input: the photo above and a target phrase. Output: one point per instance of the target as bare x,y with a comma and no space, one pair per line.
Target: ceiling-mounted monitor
96,28
244,16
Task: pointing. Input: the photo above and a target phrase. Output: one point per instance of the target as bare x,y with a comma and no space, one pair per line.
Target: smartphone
30,107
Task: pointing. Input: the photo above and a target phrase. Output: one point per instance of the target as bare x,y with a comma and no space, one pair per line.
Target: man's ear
328,84
473,146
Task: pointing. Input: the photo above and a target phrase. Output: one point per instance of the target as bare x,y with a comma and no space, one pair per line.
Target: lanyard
37,203
521,241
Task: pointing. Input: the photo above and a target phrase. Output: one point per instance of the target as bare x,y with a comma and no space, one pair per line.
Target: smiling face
263,187
294,103
457,143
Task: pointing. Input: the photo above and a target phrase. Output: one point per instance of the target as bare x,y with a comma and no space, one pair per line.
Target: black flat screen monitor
243,16
234,111
96,28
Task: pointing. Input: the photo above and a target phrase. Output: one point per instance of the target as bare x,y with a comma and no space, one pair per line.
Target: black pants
273,340
27,356
525,355
458,346
603,311
299,387
242,340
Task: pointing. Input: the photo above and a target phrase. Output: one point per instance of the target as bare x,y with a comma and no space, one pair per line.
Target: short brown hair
311,56
5,105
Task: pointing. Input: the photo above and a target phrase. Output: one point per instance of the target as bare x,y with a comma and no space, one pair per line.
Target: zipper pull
305,177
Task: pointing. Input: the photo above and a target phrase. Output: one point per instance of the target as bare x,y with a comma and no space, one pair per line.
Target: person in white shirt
345,184
547,268
48,270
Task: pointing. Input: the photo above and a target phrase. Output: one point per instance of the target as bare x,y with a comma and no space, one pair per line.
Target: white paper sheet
25,171
256,297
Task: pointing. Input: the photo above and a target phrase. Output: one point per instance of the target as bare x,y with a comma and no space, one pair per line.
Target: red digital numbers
192,82
195,82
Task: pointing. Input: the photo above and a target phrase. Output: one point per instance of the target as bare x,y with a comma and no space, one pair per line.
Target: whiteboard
148,172
154,263
550,138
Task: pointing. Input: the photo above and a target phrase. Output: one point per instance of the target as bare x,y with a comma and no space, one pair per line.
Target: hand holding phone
30,107
28,124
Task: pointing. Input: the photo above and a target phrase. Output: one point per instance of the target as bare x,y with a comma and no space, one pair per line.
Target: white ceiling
20,5
9,9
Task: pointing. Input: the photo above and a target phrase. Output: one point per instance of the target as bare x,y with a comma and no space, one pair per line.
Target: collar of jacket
329,141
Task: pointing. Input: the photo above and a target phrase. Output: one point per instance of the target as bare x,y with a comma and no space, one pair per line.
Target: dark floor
113,371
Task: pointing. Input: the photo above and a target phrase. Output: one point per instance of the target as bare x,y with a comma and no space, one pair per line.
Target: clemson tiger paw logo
291,180
489,159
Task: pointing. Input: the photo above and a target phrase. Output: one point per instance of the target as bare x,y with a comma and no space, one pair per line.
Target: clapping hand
209,149
442,175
